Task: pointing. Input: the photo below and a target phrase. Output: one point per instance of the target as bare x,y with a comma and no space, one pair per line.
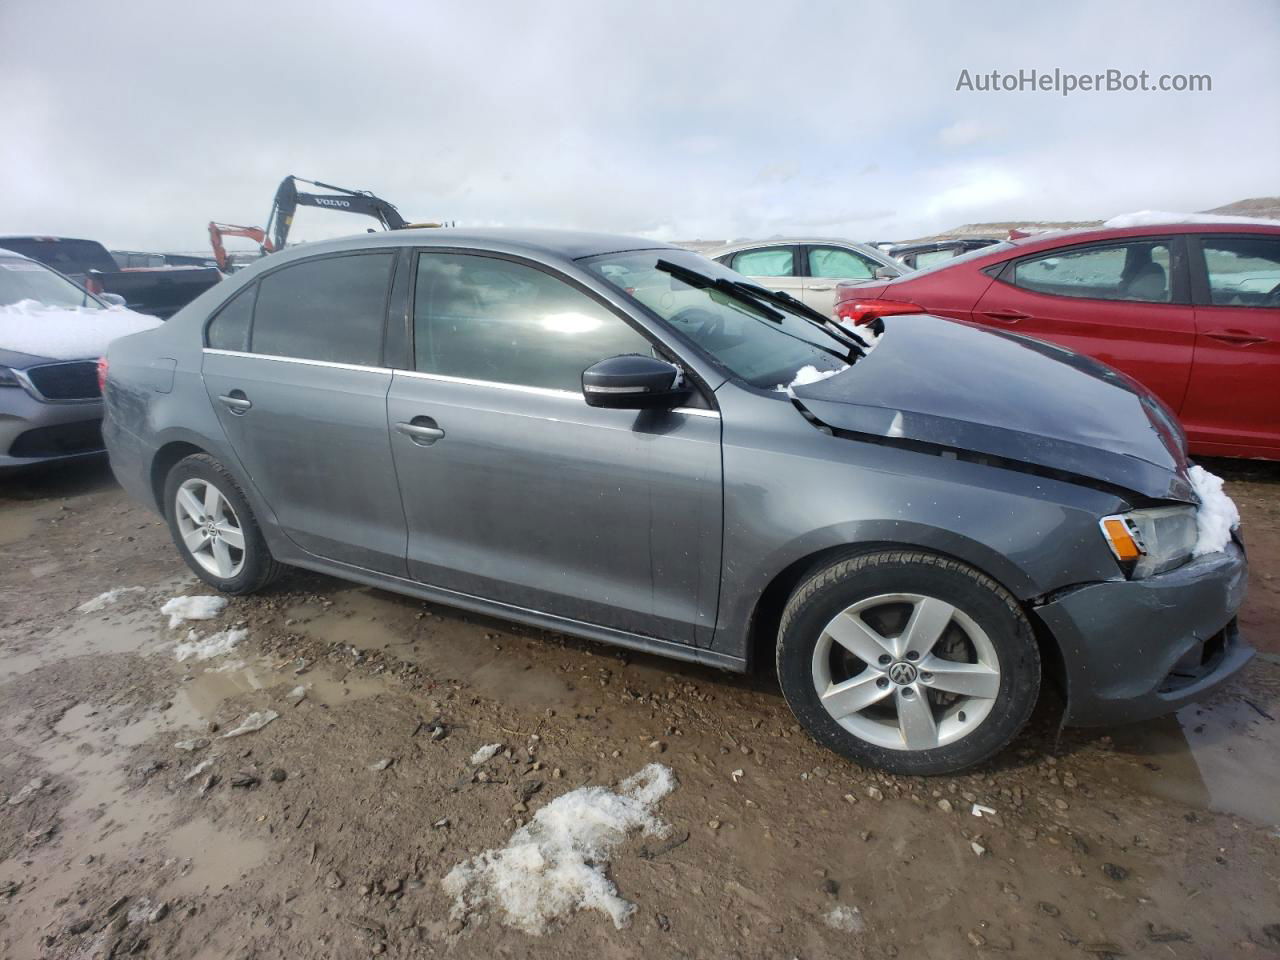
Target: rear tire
908,661
214,528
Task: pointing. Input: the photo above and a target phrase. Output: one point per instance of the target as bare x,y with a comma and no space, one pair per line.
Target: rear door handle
1006,315
1235,337
237,402
421,430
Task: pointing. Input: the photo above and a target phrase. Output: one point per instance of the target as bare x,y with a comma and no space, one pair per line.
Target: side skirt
533,618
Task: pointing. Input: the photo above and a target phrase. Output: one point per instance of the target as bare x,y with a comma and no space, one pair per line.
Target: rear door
293,367
775,267
1233,402
1125,302
826,266
515,490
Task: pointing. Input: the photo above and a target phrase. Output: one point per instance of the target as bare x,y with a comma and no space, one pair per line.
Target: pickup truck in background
160,291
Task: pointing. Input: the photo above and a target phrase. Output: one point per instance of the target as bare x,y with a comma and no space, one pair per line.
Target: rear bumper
1137,649
130,462
33,432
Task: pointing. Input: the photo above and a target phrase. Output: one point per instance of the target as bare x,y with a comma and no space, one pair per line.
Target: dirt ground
326,834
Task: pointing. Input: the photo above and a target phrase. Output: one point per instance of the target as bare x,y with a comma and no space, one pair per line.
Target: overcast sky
137,123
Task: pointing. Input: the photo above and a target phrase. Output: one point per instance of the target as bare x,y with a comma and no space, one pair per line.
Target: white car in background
808,269
52,332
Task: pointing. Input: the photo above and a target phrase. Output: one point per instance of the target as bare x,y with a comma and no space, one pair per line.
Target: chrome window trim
418,375
332,364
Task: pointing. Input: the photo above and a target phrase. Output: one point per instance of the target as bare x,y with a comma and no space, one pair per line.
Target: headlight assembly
1151,541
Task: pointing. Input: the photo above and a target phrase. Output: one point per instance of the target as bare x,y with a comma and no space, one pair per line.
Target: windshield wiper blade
700,280
857,346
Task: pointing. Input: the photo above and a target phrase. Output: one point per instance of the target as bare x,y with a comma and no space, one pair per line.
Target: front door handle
237,402
421,430
1006,315
825,286
1235,337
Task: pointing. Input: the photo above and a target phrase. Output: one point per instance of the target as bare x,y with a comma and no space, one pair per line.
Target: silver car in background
50,408
808,268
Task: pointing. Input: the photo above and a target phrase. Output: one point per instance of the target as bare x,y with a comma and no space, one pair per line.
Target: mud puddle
1219,757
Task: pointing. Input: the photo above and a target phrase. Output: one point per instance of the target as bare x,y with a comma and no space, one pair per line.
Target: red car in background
1191,310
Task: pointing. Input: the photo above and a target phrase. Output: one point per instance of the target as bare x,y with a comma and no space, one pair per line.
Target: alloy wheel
906,671
210,528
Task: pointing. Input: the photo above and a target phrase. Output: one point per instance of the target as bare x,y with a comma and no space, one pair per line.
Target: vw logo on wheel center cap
902,673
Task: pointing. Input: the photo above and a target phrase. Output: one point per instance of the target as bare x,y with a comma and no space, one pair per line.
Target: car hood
958,387
18,360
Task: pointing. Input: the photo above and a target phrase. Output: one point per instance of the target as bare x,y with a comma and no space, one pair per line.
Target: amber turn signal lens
1122,543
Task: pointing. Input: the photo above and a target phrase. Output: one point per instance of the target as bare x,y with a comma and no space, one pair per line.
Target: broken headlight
1151,541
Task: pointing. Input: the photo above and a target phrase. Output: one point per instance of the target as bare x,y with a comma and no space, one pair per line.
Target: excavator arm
289,198
219,230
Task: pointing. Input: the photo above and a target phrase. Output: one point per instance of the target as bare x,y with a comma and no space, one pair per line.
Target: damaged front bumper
1135,649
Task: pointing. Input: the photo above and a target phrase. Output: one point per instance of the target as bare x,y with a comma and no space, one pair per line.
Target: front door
293,369
1124,303
516,491
827,266
1233,402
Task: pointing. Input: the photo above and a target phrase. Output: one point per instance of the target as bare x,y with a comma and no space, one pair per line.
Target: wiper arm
857,346
728,287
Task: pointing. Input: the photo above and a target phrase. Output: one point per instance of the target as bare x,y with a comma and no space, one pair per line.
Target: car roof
1054,238
785,241
536,243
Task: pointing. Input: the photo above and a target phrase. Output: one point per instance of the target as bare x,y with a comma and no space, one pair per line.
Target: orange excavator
219,230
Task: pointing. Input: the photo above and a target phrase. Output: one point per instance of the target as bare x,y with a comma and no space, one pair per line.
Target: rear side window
327,309
1119,271
1243,271
774,262
481,318
840,264
229,328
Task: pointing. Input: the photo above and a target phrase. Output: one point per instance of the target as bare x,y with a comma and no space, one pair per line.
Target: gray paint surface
663,530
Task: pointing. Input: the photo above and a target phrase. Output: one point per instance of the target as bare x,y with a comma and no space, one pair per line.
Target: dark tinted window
229,329
487,319
1243,271
328,309
1118,271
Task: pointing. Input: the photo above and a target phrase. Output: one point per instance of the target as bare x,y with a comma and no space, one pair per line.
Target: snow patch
1151,218
63,333
103,600
214,645
485,754
555,864
1217,515
807,374
192,608
845,919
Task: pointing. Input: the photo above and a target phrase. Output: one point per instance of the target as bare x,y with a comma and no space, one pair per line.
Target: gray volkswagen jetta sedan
624,441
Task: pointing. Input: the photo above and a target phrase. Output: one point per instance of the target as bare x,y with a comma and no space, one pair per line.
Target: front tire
214,528
908,661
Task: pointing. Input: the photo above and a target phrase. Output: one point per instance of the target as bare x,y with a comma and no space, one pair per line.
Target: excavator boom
289,198
219,230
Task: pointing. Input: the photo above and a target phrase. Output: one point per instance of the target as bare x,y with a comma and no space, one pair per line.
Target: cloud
143,121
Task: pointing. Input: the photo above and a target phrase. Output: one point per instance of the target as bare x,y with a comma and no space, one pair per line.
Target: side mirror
112,299
633,382
887,273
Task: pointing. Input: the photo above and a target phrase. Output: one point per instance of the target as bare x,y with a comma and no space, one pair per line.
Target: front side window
928,258
763,350
772,262
1118,271
841,264
329,309
1243,271
484,318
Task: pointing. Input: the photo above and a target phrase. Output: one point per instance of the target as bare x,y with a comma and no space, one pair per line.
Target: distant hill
1257,207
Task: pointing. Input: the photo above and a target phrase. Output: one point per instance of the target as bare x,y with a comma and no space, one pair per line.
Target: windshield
28,280
764,345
